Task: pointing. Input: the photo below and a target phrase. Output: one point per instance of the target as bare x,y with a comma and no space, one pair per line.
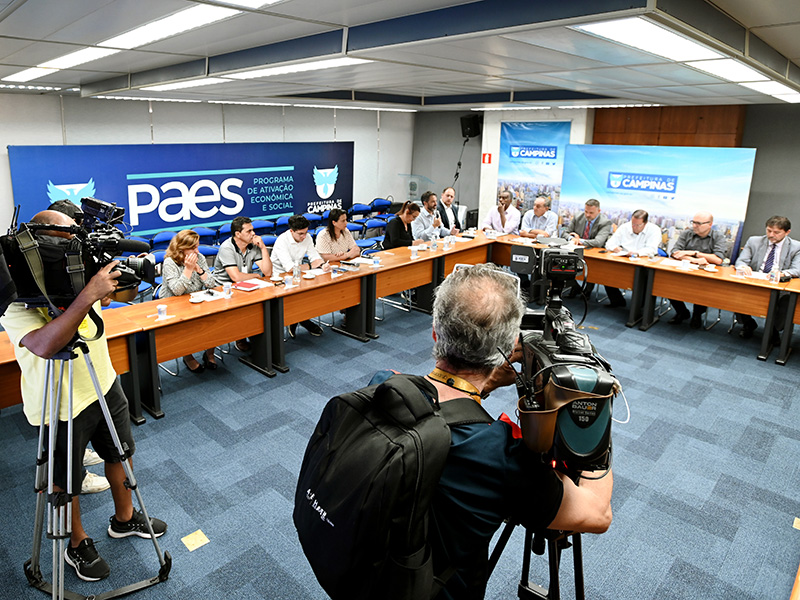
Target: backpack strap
463,411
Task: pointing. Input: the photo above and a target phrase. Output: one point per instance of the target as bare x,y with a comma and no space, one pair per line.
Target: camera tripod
535,542
58,504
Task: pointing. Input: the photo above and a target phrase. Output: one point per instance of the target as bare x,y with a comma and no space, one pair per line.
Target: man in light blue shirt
429,222
540,220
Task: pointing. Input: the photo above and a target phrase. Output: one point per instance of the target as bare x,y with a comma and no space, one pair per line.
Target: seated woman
335,242
398,230
185,271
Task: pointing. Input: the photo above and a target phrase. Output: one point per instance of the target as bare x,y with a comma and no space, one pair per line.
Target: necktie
770,259
587,230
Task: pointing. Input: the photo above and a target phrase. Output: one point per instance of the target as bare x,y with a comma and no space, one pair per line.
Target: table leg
788,329
766,338
635,313
131,383
649,317
260,358
276,336
371,282
150,386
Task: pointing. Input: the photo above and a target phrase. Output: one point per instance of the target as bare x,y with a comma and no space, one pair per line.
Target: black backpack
365,487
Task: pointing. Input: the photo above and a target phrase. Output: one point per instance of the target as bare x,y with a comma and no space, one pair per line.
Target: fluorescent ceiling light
145,99
729,69
77,58
647,36
42,88
250,3
239,102
29,74
316,65
180,85
770,88
170,26
793,98
376,109
511,108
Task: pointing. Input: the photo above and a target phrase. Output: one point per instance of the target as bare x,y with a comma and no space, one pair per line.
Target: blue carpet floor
706,472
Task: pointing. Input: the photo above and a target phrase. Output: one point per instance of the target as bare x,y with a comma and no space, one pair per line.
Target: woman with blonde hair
185,271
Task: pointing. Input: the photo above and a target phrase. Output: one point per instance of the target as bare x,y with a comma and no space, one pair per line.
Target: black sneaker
136,526
312,327
88,564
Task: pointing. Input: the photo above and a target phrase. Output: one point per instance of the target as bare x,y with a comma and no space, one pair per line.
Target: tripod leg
554,553
577,557
32,570
121,452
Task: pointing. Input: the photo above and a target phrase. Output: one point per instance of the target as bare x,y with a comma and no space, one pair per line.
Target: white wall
383,141
580,133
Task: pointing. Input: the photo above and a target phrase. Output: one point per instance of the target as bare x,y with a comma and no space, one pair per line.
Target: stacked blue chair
314,220
207,235
224,233
380,208
281,225
162,239
356,229
374,225
210,253
269,240
263,227
359,213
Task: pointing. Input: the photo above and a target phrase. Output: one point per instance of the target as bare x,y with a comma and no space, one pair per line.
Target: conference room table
121,336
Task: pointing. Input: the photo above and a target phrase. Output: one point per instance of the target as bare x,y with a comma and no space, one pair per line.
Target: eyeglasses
699,222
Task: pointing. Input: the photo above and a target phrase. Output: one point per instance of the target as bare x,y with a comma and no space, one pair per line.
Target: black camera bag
365,488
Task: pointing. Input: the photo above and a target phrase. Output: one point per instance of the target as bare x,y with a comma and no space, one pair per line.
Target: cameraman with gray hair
490,474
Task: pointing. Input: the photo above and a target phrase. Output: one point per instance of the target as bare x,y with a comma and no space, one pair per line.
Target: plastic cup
162,311
414,251
226,289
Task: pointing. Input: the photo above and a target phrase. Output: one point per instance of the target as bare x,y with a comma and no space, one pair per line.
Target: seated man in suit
636,237
701,245
762,253
448,210
540,220
592,230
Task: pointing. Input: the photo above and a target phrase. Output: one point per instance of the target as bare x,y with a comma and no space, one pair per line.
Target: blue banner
178,186
532,160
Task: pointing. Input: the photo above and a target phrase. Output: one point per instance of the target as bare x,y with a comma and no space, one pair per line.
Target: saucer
195,300
308,276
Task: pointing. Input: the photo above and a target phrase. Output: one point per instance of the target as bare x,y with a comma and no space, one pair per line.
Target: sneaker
136,526
90,457
312,328
92,483
88,564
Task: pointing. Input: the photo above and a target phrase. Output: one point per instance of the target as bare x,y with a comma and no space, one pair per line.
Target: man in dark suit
763,253
448,211
591,230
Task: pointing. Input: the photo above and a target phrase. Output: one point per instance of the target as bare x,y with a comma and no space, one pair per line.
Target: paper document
315,272
671,262
362,260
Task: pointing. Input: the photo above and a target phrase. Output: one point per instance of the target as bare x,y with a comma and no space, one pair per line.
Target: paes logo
534,151
70,191
643,182
325,180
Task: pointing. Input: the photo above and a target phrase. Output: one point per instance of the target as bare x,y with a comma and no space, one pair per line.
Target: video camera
566,387
48,265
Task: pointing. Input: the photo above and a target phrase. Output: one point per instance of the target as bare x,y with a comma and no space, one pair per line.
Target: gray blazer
599,234
755,251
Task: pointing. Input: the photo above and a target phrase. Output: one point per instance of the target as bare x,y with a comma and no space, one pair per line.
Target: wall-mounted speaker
471,125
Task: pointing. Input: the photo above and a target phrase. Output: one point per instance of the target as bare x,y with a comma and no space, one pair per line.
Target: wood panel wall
719,126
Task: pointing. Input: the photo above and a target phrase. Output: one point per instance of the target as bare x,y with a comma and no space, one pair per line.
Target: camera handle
535,543
59,504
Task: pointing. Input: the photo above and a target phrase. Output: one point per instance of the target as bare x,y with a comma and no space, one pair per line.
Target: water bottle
296,275
435,241
775,275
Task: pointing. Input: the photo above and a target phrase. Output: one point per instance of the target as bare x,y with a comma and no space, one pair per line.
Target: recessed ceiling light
30,74
316,65
644,35
770,88
181,85
729,69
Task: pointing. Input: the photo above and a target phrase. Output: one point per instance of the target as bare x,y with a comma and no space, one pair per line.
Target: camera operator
490,475
36,337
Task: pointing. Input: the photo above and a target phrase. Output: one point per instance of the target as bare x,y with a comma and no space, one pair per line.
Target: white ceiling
457,63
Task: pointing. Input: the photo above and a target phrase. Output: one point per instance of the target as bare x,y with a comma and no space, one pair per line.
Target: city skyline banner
531,159
179,186
672,183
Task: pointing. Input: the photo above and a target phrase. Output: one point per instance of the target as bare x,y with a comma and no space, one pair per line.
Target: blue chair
376,226
318,230
380,207
281,225
263,228
326,215
224,233
356,229
210,253
269,240
162,239
359,213
314,220
207,235
115,304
